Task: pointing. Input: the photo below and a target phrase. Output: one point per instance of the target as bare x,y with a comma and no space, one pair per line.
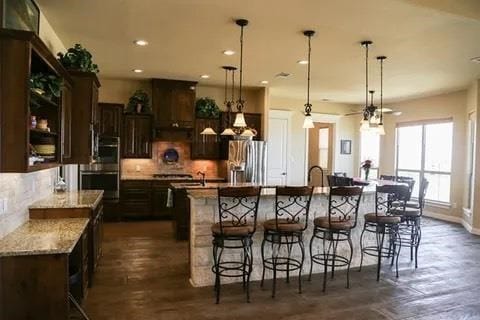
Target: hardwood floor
144,275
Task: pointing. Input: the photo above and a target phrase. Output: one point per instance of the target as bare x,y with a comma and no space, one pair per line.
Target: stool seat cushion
372,217
334,224
230,229
409,212
283,225
413,204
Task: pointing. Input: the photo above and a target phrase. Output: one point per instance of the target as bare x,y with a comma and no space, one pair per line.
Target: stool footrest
282,264
330,260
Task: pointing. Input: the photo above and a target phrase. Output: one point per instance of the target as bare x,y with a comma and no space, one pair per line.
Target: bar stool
339,181
336,227
409,181
292,206
385,222
410,229
237,212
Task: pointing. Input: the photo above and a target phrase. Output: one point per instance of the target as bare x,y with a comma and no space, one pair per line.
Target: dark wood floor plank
143,275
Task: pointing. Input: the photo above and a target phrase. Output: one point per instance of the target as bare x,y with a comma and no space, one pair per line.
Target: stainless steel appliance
247,161
104,174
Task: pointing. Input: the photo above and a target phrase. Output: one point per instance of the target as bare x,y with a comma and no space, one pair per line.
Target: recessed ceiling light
302,61
476,59
137,70
264,82
204,76
228,52
141,42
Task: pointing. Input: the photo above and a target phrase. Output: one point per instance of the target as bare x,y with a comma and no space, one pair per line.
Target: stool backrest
423,192
238,206
409,181
340,174
390,198
343,204
339,181
292,205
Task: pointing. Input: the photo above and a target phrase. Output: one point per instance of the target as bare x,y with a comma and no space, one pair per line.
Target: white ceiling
429,43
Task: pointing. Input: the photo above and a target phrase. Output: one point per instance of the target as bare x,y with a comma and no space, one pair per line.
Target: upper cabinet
173,104
86,117
205,146
137,136
35,97
110,119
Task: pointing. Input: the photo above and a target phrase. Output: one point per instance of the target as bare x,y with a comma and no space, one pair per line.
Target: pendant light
381,128
239,117
365,123
229,103
308,121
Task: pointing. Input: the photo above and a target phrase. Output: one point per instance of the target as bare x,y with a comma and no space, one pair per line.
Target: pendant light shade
227,132
381,129
308,121
247,133
239,120
364,125
208,132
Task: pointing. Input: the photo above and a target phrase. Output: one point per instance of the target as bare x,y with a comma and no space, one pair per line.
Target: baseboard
453,219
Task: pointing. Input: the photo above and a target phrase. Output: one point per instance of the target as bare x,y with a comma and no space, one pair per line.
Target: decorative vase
367,172
139,108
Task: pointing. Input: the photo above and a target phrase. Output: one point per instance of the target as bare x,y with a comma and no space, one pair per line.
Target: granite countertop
208,191
43,236
70,200
152,178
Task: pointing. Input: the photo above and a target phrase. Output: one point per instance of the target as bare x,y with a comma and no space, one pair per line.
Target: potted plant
48,85
78,58
139,102
207,108
366,165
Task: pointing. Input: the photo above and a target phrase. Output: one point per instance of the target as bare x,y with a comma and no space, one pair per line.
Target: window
370,150
424,150
323,139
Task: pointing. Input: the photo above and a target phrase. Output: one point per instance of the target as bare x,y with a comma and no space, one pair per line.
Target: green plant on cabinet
207,108
47,85
78,58
139,102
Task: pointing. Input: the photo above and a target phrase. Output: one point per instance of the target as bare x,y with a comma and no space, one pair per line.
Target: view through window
370,150
424,150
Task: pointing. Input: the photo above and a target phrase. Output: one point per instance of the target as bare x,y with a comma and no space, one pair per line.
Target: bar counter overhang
204,212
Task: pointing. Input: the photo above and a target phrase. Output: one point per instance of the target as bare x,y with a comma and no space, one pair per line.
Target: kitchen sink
190,184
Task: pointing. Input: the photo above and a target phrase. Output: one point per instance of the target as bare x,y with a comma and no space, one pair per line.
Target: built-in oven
108,181
104,174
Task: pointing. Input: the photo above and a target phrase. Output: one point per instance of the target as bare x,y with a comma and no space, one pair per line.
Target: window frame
422,171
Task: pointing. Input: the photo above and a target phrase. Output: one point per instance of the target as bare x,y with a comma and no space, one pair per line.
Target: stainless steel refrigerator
247,161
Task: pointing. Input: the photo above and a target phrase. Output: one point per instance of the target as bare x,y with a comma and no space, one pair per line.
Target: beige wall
344,130
120,90
20,189
451,105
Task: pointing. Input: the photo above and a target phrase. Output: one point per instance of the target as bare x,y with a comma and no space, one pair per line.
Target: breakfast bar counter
204,212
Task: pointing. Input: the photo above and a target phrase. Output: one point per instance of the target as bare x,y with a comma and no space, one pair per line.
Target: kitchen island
204,212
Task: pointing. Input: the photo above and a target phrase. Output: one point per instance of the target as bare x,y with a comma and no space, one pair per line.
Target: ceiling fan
375,111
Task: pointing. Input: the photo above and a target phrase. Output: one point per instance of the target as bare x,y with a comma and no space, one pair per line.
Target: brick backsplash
213,168
21,190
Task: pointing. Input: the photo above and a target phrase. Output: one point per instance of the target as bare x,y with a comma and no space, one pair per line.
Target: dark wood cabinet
205,146
23,54
137,136
173,103
181,221
136,198
159,200
85,117
110,119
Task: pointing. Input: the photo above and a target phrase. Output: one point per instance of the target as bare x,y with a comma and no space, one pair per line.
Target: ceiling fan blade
353,113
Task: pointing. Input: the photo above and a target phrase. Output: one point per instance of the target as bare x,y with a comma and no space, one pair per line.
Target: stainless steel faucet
310,173
200,173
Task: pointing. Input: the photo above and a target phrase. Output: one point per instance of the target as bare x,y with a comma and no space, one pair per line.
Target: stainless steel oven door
108,181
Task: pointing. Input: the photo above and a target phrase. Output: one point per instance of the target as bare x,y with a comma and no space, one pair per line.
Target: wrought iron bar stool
336,227
410,229
292,206
237,208
409,181
385,222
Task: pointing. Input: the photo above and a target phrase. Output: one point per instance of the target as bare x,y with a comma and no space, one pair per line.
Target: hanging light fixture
308,121
229,103
365,123
381,128
239,117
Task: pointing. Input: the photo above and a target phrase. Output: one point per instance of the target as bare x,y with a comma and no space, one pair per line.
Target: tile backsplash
140,167
21,190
